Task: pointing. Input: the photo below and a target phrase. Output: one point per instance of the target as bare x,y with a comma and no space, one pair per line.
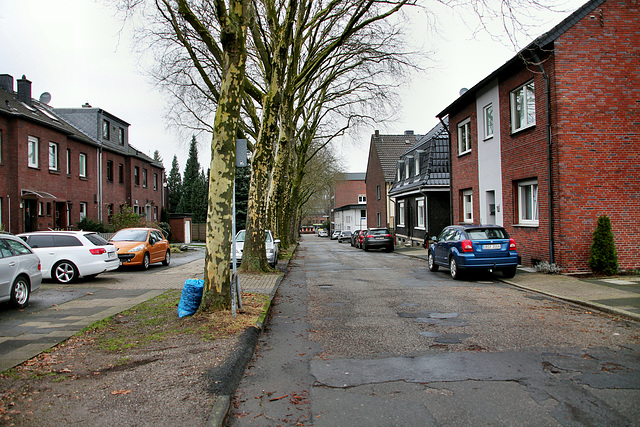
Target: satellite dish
45,98
463,91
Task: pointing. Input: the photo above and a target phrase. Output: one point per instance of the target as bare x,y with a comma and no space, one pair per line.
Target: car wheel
20,292
65,272
389,249
145,261
453,267
365,247
167,258
432,263
508,273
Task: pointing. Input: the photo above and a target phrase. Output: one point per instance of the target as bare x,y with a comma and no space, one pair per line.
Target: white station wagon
67,255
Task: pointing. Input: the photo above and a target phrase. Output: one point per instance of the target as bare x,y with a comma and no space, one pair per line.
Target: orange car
141,246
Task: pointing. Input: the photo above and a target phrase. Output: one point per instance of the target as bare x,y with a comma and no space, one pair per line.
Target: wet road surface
376,339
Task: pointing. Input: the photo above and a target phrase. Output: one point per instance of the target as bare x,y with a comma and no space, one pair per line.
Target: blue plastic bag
191,296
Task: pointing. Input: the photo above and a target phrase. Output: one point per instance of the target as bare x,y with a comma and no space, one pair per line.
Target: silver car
271,246
20,271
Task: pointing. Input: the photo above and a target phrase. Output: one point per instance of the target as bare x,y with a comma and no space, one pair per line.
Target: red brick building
349,207
384,153
54,173
548,142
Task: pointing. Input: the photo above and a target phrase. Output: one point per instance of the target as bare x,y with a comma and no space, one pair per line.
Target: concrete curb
222,403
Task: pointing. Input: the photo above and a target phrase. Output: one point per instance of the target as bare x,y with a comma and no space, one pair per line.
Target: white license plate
496,246
379,238
112,254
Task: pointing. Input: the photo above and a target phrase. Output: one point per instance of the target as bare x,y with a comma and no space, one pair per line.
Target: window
121,136
83,210
417,166
0,145
33,152
106,130
401,213
68,161
420,211
53,156
464,137
155,181
379,218
528,202
136,175
121,173
488,121
83,165
155,213
144,178
362,198
363,214
110,170
467,206
347,219
378,189
40,208
523,107
406,171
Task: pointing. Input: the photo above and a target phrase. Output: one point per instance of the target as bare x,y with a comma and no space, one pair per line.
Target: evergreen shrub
604,257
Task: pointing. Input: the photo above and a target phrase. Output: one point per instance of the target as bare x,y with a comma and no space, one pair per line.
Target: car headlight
136,249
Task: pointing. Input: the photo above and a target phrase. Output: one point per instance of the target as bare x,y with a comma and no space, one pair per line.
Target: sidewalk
618,295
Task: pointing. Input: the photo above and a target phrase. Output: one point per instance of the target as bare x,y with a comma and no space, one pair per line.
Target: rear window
487,233
379,232
64,241
96,239
18,247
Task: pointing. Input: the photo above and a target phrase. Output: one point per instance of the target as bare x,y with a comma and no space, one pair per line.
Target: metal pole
234,276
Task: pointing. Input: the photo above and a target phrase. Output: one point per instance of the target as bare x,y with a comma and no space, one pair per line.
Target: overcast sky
74,50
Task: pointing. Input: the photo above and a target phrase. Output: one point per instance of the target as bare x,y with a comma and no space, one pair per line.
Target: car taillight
39,266
467,246
98,251
512,244
369,235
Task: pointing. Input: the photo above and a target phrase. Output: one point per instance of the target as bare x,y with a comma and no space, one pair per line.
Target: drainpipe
9,200
547,94
450,173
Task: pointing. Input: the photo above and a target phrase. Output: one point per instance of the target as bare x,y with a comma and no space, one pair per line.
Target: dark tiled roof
389,149
540,42
434,163
40,114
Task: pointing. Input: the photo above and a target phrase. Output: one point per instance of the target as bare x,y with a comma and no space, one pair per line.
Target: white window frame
362,198
406,170
417,165
53,156
401,213
464,137
68,161
467,206
378,189
82,165
420,213
528,206
32,151
523,107
155,182
40,208
487,113
379,217
106,129
83,210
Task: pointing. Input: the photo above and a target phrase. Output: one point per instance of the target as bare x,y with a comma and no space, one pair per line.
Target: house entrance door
60,216
30,215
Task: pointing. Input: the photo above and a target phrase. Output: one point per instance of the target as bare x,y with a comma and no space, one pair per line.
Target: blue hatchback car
462,247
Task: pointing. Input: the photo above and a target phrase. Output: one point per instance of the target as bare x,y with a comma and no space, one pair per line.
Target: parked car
354,236
271,246
20,271
461,247
323,233
335,234
141,246
67,255
345,236
359,238
376,238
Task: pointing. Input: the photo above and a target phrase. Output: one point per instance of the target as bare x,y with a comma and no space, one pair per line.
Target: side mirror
276,241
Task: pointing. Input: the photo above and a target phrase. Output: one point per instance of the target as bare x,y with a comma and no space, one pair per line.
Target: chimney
377,133
408,132
6,82
86,105
24,90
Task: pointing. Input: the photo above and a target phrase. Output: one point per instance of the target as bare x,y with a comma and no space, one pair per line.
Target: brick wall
346,192
465,167
375,177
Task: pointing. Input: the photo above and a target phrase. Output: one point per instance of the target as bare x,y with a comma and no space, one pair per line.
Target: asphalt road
375,339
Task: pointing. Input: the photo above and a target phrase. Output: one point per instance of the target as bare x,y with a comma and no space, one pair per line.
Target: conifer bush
604,257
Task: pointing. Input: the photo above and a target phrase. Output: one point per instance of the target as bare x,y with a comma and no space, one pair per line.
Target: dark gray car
377,238
20,271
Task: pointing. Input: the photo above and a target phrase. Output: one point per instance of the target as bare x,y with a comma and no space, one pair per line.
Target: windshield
130,236
241,233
